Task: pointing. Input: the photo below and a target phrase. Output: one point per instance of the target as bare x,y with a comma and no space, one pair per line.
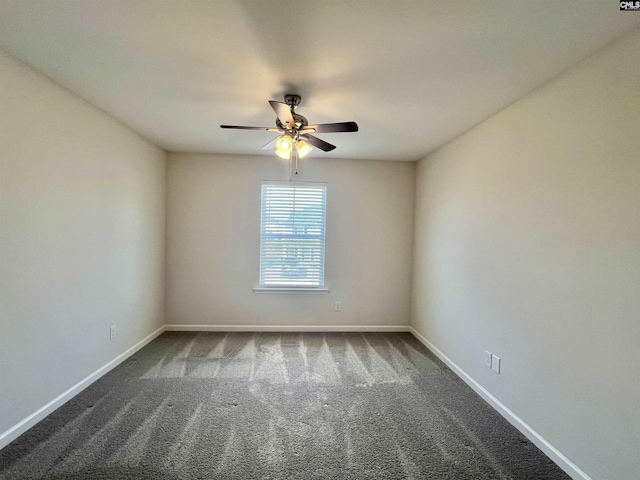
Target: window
292,235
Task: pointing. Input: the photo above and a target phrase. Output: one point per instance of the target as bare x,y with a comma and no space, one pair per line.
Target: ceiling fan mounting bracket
292,100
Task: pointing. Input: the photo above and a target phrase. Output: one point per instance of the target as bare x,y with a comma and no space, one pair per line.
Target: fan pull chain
291,169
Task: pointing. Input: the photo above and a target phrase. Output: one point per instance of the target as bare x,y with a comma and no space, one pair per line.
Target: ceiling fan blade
242,127
271,144
316,142
332,127
283,112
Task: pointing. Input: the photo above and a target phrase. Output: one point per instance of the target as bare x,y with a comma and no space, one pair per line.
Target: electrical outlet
487,358
338,306
495,364
112,332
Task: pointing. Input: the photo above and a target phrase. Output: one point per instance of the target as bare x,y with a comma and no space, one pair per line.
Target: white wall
528,245
82,239
213,225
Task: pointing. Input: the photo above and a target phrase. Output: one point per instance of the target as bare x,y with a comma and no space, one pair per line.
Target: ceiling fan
294,129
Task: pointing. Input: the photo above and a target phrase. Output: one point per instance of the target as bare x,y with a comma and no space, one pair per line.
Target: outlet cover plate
495,364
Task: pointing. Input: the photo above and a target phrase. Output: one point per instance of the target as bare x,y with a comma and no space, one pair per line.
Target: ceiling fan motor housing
301,122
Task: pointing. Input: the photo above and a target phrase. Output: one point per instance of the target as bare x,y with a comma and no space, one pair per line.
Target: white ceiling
412,74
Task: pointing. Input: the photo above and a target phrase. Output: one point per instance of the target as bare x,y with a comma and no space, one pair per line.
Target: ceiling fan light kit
294,130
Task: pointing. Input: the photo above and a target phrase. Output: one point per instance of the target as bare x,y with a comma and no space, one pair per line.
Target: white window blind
292,234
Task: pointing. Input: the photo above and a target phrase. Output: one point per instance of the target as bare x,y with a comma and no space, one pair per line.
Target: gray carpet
277,406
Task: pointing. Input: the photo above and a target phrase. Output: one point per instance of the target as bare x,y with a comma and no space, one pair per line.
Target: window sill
292,290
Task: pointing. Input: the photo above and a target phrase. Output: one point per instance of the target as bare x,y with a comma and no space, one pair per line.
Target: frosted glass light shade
284,144
303,148
283,154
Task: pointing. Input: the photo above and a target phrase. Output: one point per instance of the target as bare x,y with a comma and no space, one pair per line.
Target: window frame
292,288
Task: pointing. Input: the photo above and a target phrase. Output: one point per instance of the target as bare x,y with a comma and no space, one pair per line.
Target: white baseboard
287,328
14,432
549,450
553,453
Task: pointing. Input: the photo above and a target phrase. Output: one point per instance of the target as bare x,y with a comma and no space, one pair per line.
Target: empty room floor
277,405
